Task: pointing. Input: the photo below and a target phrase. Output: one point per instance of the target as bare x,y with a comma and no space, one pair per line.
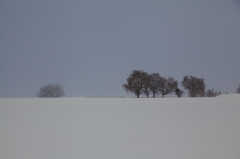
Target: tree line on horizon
140,82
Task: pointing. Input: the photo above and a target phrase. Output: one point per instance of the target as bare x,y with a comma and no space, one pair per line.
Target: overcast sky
91,47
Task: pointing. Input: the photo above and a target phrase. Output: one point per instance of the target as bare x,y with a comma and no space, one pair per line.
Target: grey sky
90,47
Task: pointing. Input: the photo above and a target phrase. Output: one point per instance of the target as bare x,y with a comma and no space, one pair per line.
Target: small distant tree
194,85
212,93
137,82
168,86
51,90
179,92
238,89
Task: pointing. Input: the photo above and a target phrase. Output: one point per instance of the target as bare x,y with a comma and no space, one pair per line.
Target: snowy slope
120,128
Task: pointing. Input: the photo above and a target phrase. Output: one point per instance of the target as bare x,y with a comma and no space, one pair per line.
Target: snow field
117,128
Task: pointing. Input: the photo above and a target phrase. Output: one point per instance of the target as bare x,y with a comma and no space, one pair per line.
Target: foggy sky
91,47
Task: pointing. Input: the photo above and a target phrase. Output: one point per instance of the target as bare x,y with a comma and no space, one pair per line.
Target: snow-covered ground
120,128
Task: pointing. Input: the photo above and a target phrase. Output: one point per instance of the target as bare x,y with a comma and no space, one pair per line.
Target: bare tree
146,91
238,89
51,90
137,82
146,88
154,83
167,86
179,92
195,86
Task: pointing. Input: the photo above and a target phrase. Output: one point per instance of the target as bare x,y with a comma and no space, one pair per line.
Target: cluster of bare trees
140,82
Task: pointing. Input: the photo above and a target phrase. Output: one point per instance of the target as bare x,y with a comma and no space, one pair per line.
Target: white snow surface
120,128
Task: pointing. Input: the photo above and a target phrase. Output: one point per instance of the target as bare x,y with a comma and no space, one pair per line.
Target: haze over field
90,47
117,128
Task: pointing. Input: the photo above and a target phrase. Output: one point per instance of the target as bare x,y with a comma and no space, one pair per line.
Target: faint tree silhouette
238,89
51,90
211,93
